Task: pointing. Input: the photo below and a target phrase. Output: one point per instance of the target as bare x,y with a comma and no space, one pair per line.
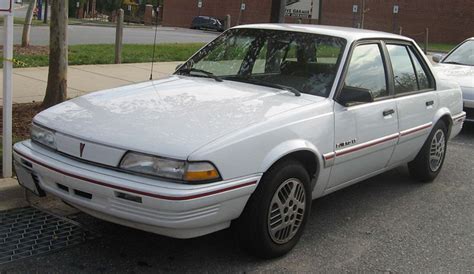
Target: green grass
105,54
437,47
440,47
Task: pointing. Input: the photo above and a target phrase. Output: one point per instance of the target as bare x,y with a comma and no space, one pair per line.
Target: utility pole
281,17
7,94
278,11
240,12
363,11
45,19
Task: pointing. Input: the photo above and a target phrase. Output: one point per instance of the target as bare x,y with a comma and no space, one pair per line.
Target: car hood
170,117
463,75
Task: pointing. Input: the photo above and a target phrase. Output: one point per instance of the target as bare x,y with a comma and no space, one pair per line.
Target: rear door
415,98
365,133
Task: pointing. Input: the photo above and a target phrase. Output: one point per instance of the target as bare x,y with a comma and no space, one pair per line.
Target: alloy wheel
437,150
286,211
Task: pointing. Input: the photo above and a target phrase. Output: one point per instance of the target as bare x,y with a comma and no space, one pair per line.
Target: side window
403,72
366,71
423,81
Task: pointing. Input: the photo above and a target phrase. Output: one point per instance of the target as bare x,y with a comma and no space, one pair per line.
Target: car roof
350,34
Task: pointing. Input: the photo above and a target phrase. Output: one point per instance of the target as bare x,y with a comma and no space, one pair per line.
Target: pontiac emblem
81,148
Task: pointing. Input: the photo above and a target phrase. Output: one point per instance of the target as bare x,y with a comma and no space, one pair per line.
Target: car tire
429,161
254,231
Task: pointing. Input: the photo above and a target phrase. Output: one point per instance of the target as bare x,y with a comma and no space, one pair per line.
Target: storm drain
28,232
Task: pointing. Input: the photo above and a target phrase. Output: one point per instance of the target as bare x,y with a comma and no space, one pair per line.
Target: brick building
179,13
449,21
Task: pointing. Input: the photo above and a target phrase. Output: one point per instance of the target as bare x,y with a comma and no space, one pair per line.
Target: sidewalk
29,84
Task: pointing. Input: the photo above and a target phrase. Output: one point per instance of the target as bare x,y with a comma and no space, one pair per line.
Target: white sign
395,9
242,7
6,6
302,8
355,8
199,4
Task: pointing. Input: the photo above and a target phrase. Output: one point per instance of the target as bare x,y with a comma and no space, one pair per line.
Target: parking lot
388,223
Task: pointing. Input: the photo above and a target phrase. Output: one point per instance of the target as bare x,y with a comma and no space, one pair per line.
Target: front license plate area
25,179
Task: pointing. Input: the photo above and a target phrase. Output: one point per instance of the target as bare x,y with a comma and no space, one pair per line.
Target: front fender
288,147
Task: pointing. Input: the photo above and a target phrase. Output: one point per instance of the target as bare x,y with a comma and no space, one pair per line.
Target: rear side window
424,82
403,73
409,75
366,70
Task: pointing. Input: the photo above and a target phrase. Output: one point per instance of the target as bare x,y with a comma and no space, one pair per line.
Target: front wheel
274,218
429,161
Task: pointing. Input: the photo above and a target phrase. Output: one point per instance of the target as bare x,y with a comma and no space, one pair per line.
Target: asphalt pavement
78,34
389,223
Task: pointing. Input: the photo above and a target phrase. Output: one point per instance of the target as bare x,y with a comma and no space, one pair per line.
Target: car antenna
154,43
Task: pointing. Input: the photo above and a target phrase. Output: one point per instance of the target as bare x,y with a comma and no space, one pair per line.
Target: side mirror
178,66
353,95
438,57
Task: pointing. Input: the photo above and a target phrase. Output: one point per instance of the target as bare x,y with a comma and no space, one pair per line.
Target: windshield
295,61
463,55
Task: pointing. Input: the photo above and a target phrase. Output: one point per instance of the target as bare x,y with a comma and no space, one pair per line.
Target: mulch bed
30,50
22,116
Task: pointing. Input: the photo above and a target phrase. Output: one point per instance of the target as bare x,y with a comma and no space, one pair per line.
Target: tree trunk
56,90
25,39
94,7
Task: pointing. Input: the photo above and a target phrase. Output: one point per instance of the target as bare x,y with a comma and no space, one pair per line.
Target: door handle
429,103
388,112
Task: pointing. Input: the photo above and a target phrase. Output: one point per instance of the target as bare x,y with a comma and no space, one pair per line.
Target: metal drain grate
28,231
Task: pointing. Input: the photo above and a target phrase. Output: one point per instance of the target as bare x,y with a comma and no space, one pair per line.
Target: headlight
43,136
169,168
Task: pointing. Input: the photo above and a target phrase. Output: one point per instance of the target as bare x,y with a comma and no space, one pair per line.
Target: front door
365,133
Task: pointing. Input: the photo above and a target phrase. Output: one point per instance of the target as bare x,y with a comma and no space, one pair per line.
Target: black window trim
421,60
386,64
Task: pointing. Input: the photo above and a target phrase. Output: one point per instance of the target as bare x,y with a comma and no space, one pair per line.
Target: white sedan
458,66
247,133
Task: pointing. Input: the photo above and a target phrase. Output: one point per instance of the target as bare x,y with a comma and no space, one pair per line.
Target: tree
25,38
56,90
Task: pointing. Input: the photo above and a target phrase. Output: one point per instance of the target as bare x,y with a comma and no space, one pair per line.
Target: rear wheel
429,161
276,214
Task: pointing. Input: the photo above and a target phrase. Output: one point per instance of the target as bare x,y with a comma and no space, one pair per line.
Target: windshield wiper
207,73
268,84
454,63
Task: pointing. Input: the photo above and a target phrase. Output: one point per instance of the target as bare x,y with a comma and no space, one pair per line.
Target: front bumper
175,210
468,102
469,109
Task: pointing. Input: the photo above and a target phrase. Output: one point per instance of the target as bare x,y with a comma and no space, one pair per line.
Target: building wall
180,13
449,21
